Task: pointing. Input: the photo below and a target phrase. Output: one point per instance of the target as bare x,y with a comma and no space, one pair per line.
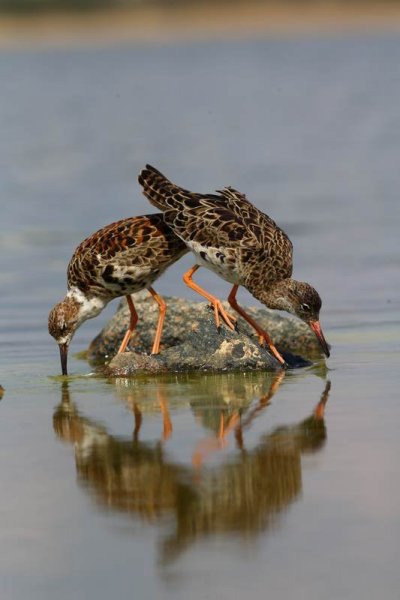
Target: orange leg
162,308
218,308
167,423
233,422
132,325
265,400
319,410
217,442
262,335
224,429
138,421
221,430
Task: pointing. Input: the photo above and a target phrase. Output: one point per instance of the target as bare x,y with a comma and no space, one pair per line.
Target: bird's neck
88,306
277,296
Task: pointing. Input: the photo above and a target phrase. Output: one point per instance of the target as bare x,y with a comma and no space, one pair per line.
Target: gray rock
130,364
191,341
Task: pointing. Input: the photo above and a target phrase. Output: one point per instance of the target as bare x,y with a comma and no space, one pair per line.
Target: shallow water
225,485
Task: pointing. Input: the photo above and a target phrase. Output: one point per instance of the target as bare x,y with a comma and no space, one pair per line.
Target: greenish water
212,486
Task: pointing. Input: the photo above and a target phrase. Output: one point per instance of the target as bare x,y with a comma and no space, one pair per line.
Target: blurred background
60,21
55,4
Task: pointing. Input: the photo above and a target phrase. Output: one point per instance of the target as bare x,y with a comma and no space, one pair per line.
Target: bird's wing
261,225
144,242
205,219
225,220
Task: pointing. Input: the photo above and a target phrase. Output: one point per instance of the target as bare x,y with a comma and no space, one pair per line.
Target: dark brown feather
124,257
256,251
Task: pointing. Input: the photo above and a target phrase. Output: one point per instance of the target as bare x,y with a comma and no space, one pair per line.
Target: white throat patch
88,308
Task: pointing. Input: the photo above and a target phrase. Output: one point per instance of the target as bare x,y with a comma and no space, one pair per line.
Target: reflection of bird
124,474
231,420
247,495
118,260
138,403
244,246
243,495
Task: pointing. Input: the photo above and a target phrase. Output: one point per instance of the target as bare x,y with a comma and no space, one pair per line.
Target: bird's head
300,299
64,319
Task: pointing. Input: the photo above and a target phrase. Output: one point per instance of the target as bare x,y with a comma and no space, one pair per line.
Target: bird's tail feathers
157,188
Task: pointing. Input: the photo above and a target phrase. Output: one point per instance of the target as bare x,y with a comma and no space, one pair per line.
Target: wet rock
191,341
130,364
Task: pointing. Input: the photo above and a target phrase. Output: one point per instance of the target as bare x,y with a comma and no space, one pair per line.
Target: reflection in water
244,495
134,397
229,420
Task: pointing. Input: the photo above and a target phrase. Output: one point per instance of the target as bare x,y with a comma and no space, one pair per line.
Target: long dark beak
316,327
64,357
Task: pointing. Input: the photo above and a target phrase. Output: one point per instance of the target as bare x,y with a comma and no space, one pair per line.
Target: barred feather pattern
124,257
227,233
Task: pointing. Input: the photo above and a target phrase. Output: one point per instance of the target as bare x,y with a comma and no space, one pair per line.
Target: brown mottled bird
244,246
118,260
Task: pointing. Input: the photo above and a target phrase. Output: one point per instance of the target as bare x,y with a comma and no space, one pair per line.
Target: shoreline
198,23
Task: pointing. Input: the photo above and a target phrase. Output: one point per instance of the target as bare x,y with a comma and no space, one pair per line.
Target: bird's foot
219,311
265,340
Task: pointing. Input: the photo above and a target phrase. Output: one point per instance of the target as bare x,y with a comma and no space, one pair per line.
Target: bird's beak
64,357
316,327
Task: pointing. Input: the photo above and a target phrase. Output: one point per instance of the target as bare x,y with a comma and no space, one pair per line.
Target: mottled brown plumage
230,236
118,260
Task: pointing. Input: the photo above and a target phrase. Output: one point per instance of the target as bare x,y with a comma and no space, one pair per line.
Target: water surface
225,485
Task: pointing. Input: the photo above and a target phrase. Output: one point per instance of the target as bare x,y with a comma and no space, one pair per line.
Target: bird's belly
218,261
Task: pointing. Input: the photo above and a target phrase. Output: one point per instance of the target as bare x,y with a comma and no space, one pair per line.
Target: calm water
125,488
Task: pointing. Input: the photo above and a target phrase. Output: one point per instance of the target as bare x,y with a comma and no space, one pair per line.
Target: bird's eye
305,306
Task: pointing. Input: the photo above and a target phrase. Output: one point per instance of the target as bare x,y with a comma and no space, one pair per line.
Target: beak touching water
316,327
64,357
